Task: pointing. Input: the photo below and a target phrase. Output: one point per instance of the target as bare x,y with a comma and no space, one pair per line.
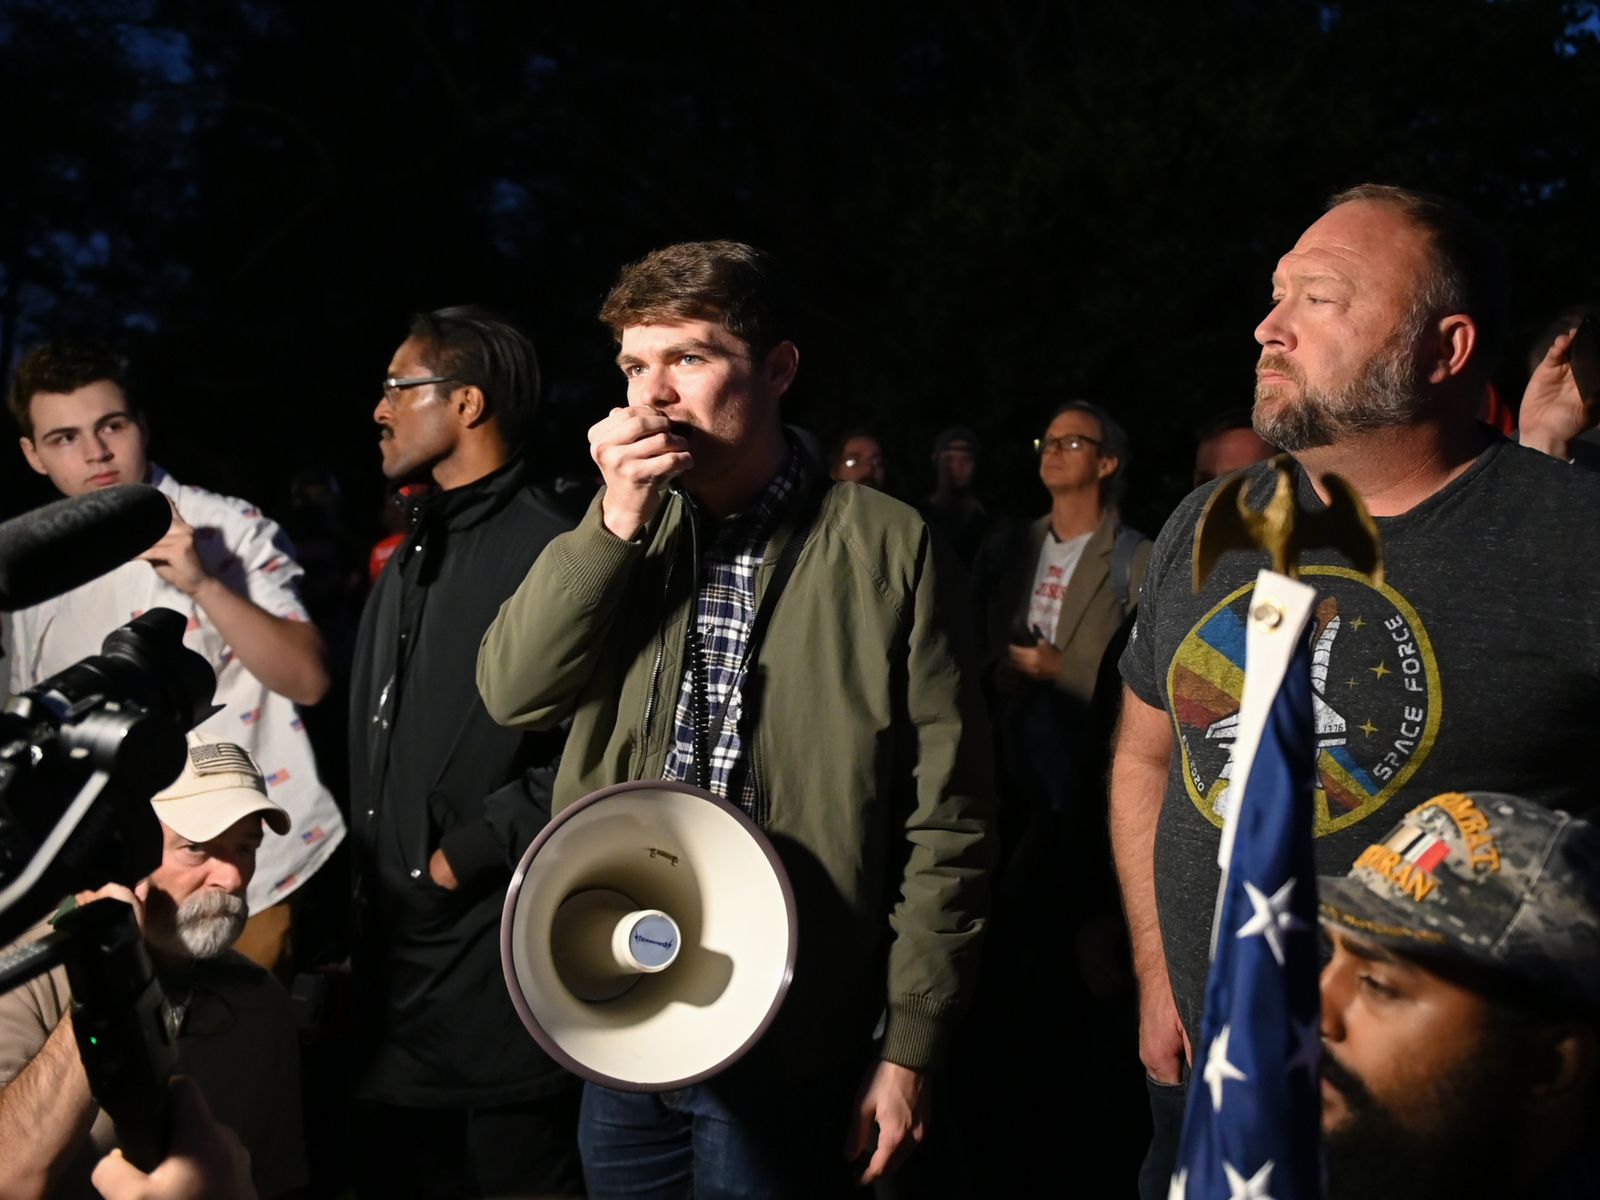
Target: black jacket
429,769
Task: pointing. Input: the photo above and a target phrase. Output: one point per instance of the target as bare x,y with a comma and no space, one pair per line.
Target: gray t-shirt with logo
1475,665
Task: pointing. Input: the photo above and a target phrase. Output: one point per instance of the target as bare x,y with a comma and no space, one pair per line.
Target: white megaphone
648,936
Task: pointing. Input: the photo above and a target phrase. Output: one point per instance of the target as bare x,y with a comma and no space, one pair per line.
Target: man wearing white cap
231,1019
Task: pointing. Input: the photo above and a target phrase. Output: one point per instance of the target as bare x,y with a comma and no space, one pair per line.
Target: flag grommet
1267,614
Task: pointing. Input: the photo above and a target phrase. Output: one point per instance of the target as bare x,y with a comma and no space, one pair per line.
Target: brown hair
1469,272
60,367
727,281
1114,443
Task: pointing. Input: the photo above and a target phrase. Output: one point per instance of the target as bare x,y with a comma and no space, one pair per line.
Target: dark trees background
988,206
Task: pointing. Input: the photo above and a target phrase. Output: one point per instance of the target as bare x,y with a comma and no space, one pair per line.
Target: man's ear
1108,465
1456,340
470,405
778,369
1569,1059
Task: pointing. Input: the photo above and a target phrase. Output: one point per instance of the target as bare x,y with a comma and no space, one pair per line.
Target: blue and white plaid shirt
725,608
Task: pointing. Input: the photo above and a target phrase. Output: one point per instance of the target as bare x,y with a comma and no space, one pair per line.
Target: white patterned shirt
249,553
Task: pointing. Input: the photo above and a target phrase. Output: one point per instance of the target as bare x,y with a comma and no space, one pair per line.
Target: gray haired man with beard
231,1019
1477,657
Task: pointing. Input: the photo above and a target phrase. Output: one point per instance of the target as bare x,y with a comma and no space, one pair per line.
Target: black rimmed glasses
1061,445
393,385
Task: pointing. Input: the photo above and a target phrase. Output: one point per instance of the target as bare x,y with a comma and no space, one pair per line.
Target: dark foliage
989,207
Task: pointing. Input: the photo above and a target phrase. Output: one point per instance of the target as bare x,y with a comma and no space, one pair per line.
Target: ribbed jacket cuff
590,561
916,1032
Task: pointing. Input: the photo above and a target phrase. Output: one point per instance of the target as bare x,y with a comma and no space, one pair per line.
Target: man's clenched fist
638,455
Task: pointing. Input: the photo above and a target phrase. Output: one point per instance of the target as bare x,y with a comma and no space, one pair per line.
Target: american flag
211,758
1252,1125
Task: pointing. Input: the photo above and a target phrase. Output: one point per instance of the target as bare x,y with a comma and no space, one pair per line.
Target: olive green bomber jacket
870,757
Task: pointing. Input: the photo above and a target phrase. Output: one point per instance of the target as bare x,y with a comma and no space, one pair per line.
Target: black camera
80,756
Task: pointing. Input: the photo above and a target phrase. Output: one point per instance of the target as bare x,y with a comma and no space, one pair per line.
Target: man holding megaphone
727,616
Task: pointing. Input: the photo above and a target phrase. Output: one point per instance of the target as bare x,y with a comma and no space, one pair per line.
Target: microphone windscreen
65,544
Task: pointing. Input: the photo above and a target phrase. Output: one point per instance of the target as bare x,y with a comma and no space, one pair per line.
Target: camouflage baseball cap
1484,878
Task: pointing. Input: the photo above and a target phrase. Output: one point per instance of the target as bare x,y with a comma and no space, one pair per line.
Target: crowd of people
993,752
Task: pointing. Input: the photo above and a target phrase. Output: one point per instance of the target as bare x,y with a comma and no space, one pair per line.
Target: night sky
987,207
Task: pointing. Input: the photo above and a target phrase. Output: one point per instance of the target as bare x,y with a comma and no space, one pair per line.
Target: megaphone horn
603,943
649,936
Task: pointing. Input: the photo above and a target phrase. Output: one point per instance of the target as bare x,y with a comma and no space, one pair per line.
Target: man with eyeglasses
1061,588
456,1098
858,458
222,564
1066,586
1054,593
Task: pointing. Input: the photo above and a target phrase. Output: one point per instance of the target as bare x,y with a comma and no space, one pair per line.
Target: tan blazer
1090,613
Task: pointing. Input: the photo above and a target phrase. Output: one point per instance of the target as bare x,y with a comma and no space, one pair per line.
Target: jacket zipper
758,793
661,650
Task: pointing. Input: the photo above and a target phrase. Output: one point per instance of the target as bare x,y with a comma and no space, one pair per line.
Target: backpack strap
1122,551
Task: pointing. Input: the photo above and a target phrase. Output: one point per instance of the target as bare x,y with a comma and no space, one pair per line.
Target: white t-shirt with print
1057,561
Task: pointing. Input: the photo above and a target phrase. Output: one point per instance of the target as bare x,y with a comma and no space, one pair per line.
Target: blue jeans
713,1141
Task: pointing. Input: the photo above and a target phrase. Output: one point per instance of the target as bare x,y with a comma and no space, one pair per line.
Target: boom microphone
67,543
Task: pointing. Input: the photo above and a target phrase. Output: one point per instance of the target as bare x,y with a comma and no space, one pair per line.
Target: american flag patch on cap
213,758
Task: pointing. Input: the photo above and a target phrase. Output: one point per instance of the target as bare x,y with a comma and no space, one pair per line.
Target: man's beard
203,926
1385,394
1373,1151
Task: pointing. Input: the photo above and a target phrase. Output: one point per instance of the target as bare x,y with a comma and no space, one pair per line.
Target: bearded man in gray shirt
1478,657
